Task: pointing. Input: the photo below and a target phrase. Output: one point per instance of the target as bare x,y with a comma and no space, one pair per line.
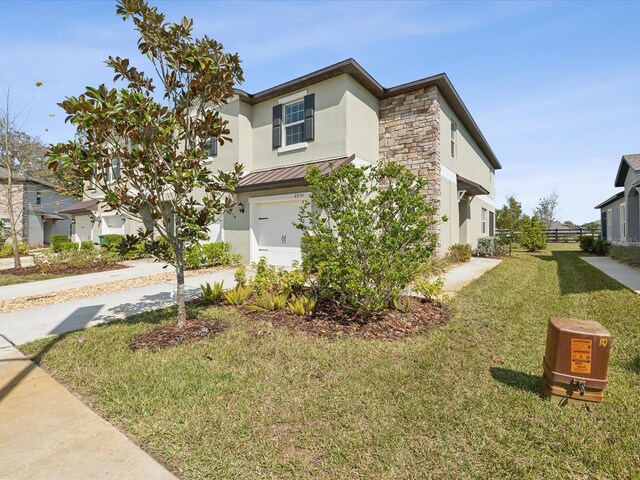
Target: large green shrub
489,247
595,245
629,254
459,253
367,235
532,235
112,242
56,240
586,243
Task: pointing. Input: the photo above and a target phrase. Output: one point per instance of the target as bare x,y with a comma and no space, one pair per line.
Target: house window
623,222
609,225
294,123
38,198
115,169
483,221
6,223
454,130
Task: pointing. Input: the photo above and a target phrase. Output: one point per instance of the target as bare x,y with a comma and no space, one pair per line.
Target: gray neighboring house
38,205
620,214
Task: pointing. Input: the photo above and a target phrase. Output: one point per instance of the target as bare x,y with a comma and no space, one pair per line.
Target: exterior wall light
241,207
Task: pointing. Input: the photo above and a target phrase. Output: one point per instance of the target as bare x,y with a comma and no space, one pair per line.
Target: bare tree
547,209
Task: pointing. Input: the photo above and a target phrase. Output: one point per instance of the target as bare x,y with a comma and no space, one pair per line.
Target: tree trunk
180,301
9,166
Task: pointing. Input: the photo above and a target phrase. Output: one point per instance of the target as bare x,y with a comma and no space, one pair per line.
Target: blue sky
555,87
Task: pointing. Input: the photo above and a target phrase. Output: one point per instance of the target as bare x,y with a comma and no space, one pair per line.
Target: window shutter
277,126
309,111
213,146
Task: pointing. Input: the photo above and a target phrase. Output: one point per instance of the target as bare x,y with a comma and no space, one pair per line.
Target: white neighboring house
332,117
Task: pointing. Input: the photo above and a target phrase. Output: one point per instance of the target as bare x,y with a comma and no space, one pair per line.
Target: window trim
285,125
623,221
454,139
483,221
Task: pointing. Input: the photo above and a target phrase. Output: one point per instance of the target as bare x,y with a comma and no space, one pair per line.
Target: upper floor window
454,130
38,198
483,221
294,123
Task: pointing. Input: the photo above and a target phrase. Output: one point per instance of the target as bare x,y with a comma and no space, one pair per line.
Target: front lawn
10,279
462,401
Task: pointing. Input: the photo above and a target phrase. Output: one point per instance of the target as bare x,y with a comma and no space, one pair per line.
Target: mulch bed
171,335
331,321
61,269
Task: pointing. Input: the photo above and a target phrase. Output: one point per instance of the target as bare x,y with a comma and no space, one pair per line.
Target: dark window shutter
213,146
309,111
491,224
603,225
277,126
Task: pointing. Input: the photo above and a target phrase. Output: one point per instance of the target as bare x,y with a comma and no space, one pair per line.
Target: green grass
7,279
261,402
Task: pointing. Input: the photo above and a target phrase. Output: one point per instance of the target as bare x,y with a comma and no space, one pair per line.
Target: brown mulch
331,321
61,269
171,335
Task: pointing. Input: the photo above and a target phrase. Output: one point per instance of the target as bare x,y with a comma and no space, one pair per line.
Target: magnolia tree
146,151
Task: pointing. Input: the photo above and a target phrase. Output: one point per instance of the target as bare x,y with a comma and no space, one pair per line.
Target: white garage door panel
278,239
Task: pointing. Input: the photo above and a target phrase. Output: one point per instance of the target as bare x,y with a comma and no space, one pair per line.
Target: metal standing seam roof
289,176
85,206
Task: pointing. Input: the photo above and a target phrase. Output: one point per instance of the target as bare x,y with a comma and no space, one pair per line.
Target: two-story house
620,214
335,116
36,205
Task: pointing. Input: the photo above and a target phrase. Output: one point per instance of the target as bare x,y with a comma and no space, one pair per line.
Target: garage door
278,240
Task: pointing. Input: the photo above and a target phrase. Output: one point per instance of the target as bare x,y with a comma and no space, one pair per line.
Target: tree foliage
532,235
146,150
547,209
365,233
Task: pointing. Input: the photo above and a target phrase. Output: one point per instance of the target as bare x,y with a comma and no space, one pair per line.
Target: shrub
240,276
403,304
270,301
87,245
269,279
67,247
601,247
489,247
75,259
629,254
56,240
209,294
7,249
301,305
459,253
367,235
586,243
219,254
238,295
431,290
112,242
4,234
435,266
532,235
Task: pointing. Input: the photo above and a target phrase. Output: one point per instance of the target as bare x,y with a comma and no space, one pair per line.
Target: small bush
403,304
75,259
532,235
301,305
489,247
7,249
209,294
629,254
87,245
435,266
111,242
270,301
216,254
586,243
240,276
431,290
459,253
238,295
601,247
68,247
269,279
56,240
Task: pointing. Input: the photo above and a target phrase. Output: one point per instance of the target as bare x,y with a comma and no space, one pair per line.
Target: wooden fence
556,235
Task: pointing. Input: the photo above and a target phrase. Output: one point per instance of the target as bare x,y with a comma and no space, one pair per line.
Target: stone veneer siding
410,135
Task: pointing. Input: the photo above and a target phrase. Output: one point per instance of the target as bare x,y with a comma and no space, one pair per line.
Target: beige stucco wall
361,133
17,195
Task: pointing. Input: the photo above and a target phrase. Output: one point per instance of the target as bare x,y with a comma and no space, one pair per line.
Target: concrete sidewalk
627,276
47,433
7,263
26,325
459,277
136,269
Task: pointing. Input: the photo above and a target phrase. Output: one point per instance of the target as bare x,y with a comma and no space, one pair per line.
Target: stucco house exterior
620,214
335,116
38,205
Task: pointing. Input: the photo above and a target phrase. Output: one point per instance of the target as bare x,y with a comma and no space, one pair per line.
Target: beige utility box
576,361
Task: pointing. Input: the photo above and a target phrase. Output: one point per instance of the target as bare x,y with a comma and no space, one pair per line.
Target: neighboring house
555,225
37,206
620,214
329,118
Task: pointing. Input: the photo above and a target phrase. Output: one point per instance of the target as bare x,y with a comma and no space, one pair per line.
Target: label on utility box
581,355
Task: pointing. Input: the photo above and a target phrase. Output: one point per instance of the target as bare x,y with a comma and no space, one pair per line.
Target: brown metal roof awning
51,216
470,187
80,207
292,176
